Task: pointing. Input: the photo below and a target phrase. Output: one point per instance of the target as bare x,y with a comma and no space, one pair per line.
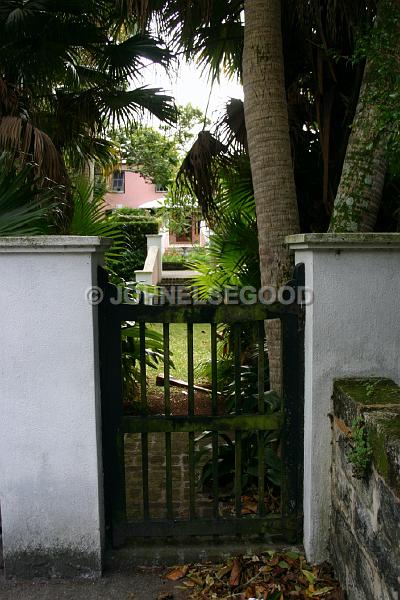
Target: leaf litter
269,575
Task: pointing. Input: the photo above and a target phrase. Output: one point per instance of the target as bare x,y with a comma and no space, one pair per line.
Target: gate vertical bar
214,411
145,436
292,434
192,480
112,411
238,410
261,411
167,408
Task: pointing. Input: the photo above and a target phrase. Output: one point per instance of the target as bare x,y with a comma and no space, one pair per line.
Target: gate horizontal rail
270,525
182,424
202,313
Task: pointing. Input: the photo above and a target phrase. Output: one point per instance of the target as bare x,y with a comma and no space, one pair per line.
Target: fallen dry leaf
223,571
249,508
234,579
271,575
177,573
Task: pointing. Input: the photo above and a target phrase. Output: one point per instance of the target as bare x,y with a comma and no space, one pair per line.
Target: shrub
132,214
134,227
176,256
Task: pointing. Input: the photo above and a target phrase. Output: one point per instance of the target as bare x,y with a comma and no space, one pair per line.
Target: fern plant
360,454
89,216
232,257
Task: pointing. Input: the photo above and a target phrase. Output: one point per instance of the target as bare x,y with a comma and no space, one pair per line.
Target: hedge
134,227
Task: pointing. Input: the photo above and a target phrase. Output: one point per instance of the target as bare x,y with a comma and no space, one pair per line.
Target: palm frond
64,68
125,59
210,31
24,209
332,18
200,171
219,49
119,105
83,148
232,256
30,143
89,217
232,127
236,191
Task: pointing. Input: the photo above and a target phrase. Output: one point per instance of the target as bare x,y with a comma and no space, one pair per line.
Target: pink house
128,189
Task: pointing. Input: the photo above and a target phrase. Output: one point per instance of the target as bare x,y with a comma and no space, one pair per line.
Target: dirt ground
275,573
119,583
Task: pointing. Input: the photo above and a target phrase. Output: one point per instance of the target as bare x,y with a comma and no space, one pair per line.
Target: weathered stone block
365,520
351,563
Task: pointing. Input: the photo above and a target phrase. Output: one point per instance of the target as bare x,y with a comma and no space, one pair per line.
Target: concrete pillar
51,493
156,241
151,274
352,330
164,232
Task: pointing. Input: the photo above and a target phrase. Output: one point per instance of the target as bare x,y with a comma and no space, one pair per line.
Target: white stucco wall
352,329
50,460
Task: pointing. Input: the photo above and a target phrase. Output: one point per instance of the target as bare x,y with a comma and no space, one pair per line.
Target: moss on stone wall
377,402
370,391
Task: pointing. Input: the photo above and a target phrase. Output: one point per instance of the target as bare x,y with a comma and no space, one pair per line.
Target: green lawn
178,348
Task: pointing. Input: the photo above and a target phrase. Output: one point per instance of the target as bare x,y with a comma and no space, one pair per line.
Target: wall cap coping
49,244
339,241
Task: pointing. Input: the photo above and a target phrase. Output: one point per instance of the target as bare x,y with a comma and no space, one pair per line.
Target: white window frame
118,176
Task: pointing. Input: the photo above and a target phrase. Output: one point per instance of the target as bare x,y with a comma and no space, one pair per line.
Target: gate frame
288,525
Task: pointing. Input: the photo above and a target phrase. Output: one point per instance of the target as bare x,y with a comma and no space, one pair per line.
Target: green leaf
322,591
309,576
293,555
23,205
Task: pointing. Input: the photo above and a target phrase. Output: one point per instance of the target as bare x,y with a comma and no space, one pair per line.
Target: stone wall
365,517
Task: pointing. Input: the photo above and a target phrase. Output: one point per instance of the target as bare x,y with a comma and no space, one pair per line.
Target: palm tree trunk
360,190
267,126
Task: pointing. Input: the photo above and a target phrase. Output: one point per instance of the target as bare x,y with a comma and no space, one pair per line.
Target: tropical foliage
154,348
133,226
325,45
89,216
25,209
374,140
64,71
232,255
189,118
174,257
148,152
249,441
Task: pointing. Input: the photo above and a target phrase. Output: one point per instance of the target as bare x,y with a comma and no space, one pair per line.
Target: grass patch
178,348
177,257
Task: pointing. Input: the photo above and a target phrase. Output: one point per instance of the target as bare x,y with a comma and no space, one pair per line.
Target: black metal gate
285,525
